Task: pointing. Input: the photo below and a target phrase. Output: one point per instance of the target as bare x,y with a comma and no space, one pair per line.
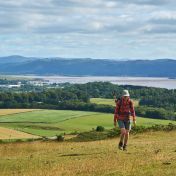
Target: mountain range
88,67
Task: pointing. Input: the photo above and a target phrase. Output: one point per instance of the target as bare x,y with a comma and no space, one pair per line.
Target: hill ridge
88,67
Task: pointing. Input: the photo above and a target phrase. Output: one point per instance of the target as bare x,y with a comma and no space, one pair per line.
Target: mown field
6,133
149,154
106,101
14,111
55,122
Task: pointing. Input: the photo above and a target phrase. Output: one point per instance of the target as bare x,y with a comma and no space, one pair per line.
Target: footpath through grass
55,122
149,154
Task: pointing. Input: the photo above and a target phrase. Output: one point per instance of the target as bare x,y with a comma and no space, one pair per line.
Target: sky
100,29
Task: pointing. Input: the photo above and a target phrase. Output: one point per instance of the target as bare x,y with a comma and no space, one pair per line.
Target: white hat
125,93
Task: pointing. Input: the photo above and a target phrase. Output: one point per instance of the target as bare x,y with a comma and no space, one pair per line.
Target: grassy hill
52,122
148,154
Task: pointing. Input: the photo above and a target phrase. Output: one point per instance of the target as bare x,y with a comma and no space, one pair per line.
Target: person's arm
133,114
115,120
115,97
116,113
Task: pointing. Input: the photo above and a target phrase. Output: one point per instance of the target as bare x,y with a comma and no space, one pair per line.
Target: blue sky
107,29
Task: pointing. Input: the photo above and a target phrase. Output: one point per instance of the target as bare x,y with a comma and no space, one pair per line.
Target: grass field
53,122
148,154
14,111
106,101
6,133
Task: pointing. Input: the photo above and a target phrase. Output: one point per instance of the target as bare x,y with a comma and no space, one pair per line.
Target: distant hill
15,59
91,67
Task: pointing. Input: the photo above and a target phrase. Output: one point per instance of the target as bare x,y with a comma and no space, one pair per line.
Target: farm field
55,122
151,153
6,133
14,111
106,101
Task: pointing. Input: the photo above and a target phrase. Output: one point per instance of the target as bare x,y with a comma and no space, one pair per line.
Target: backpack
120,99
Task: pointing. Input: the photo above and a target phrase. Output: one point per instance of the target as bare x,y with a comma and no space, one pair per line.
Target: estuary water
138,81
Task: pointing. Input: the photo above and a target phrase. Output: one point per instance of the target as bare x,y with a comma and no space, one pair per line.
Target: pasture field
6,133
55,122
14,111
149,154
111,102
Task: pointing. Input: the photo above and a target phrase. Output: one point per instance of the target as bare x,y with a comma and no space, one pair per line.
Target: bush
89,136
170,127
114,132
139,129
19,140
60,138
100,128
74,133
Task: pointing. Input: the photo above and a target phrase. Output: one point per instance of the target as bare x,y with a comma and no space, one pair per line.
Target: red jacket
124,109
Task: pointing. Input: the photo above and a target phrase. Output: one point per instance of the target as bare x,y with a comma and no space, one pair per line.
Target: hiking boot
120,146
124,147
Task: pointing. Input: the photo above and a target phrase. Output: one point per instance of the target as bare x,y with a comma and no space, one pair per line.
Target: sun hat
125,93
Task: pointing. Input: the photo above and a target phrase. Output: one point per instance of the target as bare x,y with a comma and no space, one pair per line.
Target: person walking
124,110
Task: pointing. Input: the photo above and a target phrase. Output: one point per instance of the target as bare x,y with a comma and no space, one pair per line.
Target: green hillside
52,122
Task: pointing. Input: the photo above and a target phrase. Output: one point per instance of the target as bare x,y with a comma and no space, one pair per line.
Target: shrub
100,128
19,140
60,138
171,127
90,136
114,133
139,129
74,133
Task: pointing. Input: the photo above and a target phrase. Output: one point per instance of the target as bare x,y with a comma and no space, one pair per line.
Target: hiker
123,112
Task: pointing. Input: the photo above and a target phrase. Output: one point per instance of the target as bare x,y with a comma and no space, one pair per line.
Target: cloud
164,17
88,25
162,22
75,16
160,29
110,3
84,27
149,2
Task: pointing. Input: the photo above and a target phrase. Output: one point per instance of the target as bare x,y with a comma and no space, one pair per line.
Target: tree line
154,102
147,96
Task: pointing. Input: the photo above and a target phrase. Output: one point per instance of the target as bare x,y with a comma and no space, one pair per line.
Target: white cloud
148,2
84,27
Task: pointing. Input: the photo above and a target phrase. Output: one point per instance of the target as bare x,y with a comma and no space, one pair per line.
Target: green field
106,101
52,122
